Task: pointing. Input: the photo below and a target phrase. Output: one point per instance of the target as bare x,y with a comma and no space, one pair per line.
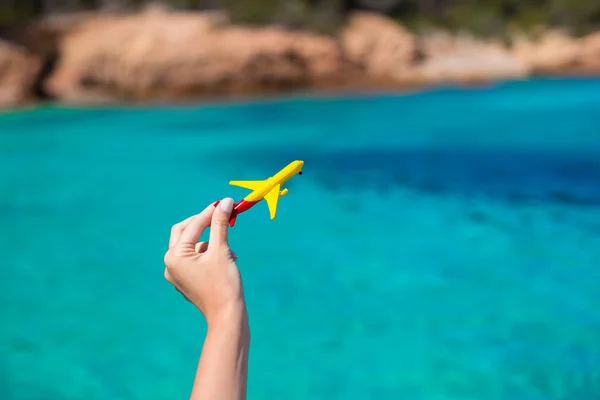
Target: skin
207,276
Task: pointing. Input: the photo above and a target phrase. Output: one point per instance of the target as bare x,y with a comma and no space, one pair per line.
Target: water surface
442,245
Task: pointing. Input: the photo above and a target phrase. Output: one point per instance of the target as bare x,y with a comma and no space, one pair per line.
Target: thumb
219,225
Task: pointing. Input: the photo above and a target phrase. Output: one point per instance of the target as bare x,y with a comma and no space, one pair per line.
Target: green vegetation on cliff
482,17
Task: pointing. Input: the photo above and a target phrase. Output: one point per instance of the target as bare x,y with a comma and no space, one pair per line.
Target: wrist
233,316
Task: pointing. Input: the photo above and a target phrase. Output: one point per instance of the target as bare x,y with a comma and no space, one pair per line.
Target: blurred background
442,243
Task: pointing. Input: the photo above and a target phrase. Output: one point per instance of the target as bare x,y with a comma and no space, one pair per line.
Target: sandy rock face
589,53
18,71
159,54
463,58
170,54
384,48
379,45
558,52
553,51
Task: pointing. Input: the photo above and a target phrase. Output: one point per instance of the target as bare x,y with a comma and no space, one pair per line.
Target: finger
177,229
168,277
219,226
192,232
201,247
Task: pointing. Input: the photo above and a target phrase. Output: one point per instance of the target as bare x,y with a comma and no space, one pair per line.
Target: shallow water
442,245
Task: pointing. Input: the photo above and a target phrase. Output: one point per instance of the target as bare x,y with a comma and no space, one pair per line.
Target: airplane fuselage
279,178
269,184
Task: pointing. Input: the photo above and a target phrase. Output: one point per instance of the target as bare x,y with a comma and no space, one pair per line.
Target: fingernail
226,204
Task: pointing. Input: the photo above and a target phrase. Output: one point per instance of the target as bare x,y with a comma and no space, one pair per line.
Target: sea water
441,245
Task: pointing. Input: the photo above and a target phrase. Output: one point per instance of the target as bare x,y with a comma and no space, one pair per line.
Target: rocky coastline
161,55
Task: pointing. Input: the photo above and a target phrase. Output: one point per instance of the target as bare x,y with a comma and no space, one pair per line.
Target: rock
162,54
553,51
463,58
379,45
589,53
556,52
18,72
384,48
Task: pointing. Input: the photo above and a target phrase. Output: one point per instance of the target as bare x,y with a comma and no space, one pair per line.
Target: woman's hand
206,273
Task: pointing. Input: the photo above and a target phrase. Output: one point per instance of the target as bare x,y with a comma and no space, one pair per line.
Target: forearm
223,364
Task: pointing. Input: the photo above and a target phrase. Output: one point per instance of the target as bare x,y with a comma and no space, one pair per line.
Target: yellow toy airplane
269,190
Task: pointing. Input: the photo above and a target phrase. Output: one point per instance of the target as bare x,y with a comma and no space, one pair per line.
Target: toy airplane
268,190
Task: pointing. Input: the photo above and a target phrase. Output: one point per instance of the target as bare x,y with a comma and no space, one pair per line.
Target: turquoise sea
440,245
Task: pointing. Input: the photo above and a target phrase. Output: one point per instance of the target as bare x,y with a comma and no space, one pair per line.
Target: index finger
177,229
192,232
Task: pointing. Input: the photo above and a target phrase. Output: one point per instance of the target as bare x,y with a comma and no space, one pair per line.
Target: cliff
19,69
165,55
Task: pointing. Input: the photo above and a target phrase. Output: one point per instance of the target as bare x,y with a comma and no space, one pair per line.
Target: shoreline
159,56
307,93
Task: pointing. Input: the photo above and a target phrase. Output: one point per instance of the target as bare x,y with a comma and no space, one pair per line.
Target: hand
205,273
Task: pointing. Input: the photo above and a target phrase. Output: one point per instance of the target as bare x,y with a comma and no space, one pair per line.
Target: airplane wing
251,185
272,198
